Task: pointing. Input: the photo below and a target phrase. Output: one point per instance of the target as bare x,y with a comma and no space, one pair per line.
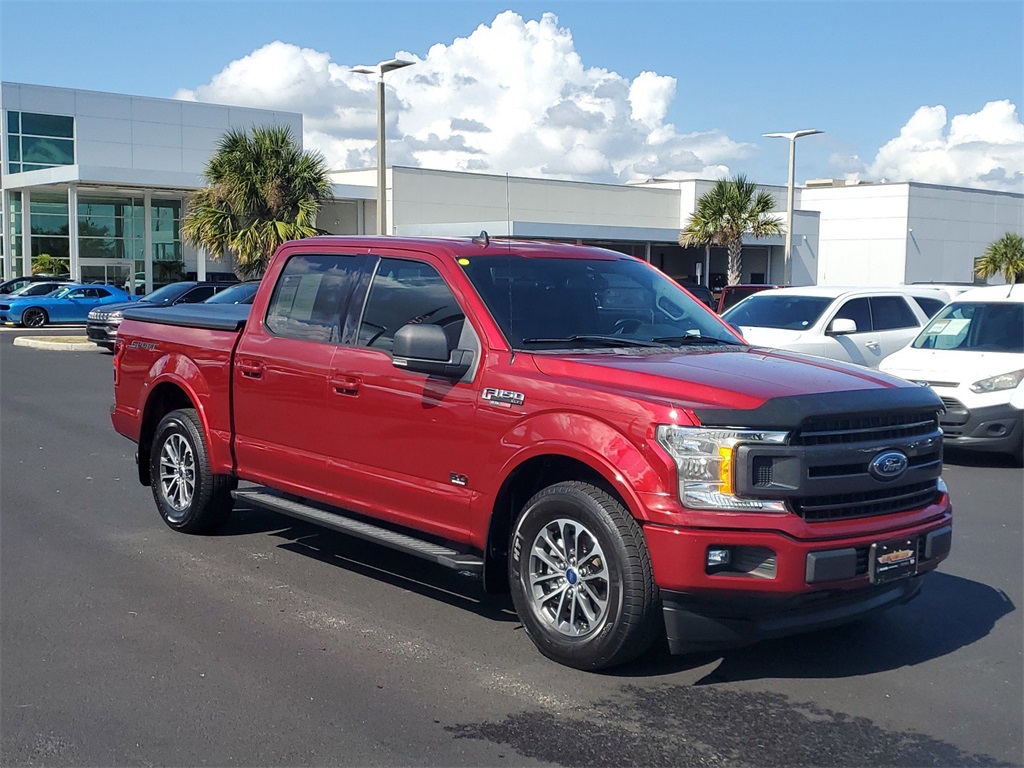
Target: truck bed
214,317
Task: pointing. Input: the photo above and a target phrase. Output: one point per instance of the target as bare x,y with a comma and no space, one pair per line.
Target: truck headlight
706,462
995,383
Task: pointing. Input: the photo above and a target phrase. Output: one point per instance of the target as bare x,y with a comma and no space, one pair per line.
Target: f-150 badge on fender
503,397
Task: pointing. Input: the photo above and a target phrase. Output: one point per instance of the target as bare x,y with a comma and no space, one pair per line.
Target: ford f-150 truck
564,421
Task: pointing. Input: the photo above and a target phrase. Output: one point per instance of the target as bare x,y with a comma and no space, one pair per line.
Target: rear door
282,371
896,321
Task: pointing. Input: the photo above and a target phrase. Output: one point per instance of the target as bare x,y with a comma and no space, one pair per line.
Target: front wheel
189,497
34,318
581,577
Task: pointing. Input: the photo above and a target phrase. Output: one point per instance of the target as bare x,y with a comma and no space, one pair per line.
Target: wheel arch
165,397
522,482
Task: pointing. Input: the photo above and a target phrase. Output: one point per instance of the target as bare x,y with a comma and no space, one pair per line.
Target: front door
405,439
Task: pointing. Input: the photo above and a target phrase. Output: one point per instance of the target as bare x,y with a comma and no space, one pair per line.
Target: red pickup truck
564,421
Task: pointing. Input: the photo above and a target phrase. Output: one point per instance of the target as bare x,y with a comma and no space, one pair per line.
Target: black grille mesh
858,429
868,504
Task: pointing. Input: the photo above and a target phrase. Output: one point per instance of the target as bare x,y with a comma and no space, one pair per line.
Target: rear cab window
310,296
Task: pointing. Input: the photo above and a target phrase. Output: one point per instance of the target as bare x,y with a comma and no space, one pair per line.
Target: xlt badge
503,397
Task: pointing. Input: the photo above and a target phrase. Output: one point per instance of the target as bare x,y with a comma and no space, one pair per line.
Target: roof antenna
483,238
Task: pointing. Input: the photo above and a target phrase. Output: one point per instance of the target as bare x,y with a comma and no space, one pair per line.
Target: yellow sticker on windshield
464,262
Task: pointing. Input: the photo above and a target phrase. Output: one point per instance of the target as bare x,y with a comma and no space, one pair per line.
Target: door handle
251,369
345,385
871,344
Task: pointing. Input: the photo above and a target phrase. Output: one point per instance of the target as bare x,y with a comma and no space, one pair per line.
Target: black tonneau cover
214,317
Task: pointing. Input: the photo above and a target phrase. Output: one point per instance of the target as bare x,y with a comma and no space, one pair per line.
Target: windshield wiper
582,338
693,338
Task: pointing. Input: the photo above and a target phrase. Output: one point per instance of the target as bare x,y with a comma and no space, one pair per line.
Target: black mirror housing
424,348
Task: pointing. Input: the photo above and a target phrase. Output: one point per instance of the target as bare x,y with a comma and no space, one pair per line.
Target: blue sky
728,72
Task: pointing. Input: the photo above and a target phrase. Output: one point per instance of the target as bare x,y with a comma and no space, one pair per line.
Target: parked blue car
70,304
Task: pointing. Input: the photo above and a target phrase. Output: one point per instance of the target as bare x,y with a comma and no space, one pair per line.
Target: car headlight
995,383
706,462
117,314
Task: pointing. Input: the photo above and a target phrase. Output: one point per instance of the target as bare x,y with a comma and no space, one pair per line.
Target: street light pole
381,69
787,268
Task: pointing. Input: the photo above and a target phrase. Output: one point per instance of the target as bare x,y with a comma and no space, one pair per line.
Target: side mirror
841,326
424,349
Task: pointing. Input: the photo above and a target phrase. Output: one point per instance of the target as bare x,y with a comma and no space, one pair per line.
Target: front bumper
694,625
991,428
776,584
102,333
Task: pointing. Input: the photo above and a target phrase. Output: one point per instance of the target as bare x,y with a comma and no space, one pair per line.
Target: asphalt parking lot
275,643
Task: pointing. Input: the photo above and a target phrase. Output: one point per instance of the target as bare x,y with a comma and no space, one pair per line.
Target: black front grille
859,429
845,506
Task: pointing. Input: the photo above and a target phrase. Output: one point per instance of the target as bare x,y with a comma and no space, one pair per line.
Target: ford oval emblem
888,466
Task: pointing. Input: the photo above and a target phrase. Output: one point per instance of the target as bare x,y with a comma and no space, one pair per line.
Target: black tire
590,521
189,497
34,317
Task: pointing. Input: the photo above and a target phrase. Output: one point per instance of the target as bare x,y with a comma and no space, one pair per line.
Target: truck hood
730,377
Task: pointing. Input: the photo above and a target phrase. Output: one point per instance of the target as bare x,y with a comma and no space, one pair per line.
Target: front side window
858,311
891,312
309,297
407,292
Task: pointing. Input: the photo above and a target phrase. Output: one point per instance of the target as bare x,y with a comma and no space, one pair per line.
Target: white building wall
114,131
863,233
421,196
949,228
133,144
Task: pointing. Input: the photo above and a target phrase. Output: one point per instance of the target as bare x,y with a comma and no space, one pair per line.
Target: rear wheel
581,577
190,498
34,317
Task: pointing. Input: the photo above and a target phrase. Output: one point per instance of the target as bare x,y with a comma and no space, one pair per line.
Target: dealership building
102,181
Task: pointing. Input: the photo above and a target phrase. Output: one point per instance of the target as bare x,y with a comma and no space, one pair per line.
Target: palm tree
262,189
724,214
1004,255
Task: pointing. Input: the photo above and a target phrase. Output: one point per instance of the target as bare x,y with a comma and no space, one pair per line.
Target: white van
972,355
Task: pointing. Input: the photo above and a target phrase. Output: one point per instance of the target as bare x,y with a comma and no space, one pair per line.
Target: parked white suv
972,355
855,325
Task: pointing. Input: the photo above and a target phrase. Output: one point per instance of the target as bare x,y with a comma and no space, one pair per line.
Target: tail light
118,352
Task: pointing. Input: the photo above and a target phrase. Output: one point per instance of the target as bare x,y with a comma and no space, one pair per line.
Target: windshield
579,303
769,309
243,293
166,295
975,327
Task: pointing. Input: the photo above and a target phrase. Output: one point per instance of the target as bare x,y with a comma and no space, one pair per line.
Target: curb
58,343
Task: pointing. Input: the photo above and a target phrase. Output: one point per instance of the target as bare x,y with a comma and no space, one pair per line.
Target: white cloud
984,149
512,97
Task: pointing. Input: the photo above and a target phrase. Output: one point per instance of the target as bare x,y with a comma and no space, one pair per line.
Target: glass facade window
36,141
115,228
50,232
